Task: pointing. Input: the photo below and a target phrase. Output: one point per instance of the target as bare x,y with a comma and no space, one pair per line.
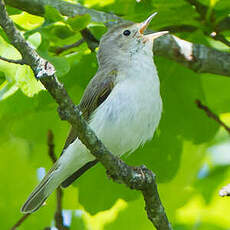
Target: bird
122,105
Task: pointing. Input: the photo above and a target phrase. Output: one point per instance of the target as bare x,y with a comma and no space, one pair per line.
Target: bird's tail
49,183
75,161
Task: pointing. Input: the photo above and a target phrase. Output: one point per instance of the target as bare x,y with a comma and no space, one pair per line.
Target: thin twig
59,222
58,217
203,11
50,143
91,41
212,115
225,191
88,37
20,221
19,61
59,50
139,178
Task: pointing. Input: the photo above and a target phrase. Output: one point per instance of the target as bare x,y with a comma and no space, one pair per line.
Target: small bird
122,104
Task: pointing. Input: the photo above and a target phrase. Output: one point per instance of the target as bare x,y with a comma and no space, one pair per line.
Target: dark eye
127,32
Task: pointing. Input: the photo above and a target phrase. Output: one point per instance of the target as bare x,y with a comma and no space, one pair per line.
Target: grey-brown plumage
95,94
122,105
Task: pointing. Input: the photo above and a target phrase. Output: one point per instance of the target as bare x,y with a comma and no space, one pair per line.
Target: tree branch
50,143
212,115
59,50
20,221
91,41
88,37
136,178
197,57
225,191
20,61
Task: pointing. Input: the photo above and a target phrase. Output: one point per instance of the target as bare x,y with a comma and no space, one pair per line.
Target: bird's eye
127,32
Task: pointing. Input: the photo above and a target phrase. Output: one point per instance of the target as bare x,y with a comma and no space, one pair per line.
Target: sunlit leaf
78,22
18,76
27,21
52,14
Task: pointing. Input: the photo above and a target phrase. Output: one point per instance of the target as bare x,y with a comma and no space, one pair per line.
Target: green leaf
3,35
52,14
27,21
12,11
26,81
34,40
57,35
97,29
79,22
61,31
17,76
60,63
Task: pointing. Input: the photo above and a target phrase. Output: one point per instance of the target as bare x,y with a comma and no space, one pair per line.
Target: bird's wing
95,94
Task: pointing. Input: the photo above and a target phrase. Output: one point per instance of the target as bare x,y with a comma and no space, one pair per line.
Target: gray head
126,41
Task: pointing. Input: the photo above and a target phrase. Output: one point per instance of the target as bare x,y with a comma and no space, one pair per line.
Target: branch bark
197,57
139,178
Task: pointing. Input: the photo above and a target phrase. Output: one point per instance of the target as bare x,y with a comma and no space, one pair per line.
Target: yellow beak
144,25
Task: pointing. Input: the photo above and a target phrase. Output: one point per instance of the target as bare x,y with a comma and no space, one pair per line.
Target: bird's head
128,39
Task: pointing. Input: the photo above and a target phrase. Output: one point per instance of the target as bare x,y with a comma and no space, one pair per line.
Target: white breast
132,111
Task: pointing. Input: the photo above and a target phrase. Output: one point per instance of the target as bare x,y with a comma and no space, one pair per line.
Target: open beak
144,25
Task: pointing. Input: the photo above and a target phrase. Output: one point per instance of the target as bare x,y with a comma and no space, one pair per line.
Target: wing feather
95,94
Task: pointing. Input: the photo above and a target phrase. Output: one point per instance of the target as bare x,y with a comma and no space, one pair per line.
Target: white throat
132,111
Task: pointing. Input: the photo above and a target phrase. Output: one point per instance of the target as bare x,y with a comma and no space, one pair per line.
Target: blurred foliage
189,177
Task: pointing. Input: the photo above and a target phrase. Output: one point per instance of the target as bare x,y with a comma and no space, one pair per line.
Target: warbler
122,104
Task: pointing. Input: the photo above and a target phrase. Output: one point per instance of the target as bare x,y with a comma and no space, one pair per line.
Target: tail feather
75,157
68,181
41,192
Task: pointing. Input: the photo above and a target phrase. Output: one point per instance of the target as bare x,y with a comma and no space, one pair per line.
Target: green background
182,152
